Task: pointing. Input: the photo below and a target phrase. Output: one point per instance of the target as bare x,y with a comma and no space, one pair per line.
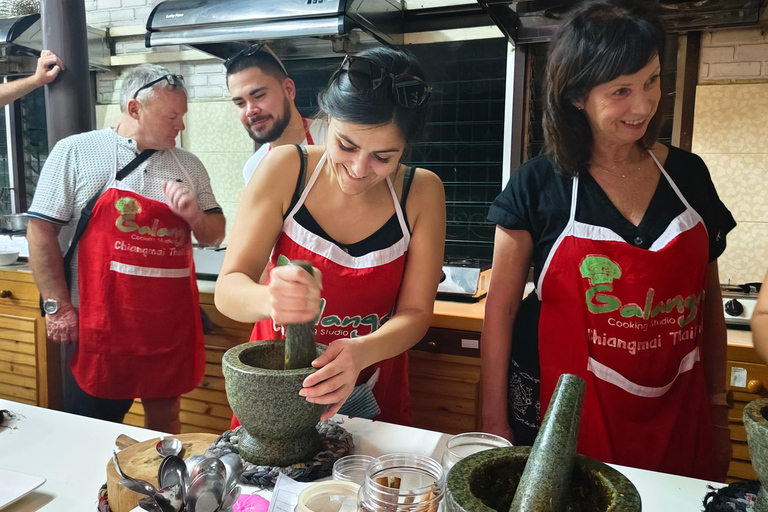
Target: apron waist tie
611,376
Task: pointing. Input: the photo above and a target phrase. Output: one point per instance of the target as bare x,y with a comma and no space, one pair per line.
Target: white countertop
72,452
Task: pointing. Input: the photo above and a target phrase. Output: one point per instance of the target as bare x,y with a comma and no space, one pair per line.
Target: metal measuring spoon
172,472
170,498
191,463
139,486
206,493
167,446
209,465
234,466
230,498
134,484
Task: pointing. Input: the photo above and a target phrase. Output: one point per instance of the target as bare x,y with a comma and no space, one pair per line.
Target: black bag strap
301,185
87,211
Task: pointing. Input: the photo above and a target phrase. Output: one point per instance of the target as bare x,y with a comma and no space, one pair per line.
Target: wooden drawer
445,391
15,292
450,341
18,360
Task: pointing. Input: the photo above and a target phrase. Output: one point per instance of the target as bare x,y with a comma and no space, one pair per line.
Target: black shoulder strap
301,181
407,180
85,214
302,170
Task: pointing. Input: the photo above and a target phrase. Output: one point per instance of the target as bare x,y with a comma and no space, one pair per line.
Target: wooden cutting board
142,461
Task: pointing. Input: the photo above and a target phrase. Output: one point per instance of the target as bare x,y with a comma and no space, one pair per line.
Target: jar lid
328,496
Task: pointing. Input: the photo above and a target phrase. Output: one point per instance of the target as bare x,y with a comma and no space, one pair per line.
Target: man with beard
265,99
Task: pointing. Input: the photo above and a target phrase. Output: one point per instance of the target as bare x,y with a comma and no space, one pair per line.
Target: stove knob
734,308
442,276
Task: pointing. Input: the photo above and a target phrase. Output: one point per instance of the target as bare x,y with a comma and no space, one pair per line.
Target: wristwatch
50,306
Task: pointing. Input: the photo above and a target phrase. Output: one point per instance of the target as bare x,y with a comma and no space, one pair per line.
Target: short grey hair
139,76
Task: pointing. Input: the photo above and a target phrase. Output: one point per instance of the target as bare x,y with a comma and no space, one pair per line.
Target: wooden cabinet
747,377
206,409
27,364
444,377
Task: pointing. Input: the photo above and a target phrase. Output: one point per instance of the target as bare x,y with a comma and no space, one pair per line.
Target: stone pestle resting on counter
546,480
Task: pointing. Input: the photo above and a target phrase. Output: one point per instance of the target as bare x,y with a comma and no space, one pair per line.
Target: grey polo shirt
81,165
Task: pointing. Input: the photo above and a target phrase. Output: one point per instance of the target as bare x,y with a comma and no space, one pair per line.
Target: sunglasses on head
365,75
252,50
173,80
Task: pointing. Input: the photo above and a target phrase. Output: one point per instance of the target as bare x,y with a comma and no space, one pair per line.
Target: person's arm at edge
512,252
48,67
714,353
47,265
759,323
415,302
259,220
46,260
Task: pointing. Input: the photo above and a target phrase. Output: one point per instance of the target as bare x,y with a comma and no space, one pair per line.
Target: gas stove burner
746,288
467,262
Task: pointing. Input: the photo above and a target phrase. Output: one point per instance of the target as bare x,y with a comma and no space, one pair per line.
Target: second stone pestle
300,338
546,480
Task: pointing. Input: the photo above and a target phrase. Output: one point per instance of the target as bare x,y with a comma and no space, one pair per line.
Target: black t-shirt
538,200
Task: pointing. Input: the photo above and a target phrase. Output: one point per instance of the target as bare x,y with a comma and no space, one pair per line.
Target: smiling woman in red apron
373,228
623,234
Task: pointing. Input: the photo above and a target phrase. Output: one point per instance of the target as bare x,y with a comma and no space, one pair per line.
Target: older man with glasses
265,96
110,249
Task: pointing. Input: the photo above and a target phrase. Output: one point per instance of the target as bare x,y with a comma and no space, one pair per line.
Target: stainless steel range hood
21,40
531,21
218,27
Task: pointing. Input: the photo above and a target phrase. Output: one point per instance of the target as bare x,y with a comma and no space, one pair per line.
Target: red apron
628,321
140,330
358,294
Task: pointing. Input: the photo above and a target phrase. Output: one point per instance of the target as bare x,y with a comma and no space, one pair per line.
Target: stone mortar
279,423
756,424
487,481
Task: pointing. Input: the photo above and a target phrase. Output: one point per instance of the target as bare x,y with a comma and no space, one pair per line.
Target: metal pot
14,222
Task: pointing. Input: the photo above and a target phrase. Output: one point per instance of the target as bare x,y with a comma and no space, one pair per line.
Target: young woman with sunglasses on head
373,228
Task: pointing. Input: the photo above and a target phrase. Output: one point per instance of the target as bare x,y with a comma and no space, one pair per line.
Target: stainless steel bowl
14,222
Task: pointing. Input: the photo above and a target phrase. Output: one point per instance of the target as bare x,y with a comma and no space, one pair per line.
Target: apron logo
129,208
602,271
343,325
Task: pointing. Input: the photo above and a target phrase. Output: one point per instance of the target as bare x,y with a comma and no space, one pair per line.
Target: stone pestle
300,338
545,483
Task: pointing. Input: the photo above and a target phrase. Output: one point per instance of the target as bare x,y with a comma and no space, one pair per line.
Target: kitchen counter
72,452
449,315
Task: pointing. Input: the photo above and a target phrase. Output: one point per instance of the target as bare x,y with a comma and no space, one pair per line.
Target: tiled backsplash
729,133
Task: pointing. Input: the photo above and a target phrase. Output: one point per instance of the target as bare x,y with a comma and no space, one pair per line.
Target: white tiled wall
730,134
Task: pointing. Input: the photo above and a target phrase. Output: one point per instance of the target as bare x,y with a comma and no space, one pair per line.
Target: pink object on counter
250,503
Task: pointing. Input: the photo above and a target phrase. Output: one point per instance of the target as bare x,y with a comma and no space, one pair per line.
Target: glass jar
464,445
402,482
352,468
328,496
